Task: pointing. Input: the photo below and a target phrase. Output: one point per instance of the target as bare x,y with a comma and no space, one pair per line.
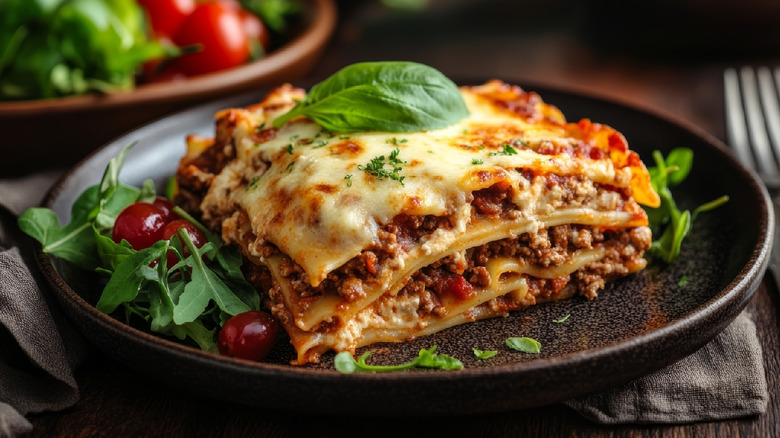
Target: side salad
54,48
162,266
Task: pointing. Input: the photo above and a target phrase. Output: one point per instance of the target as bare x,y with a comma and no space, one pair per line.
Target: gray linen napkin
40,350
724,379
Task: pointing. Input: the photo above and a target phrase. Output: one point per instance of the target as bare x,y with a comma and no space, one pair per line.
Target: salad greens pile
668,221
52,48
191,299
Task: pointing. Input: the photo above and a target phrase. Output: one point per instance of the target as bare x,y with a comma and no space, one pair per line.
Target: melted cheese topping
313,198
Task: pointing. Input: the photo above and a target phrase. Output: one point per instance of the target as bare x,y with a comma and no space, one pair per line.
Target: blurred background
665,55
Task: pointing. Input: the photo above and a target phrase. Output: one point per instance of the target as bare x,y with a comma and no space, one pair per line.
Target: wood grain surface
509,40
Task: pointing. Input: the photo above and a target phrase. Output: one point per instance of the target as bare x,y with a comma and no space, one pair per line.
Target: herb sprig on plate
345,363
669,224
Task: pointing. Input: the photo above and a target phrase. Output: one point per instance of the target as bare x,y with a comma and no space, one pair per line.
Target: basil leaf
382,96
526,345
484,354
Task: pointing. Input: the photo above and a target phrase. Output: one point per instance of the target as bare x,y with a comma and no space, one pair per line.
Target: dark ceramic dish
636,326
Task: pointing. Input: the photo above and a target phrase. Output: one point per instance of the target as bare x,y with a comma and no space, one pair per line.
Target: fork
753,131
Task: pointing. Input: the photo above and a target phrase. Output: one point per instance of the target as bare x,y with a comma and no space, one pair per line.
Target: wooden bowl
39,134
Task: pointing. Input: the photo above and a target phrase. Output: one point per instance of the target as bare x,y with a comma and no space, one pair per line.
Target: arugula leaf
203,336
526,345
484,354
110,252
203,287
345,363
74,242
668,221
96,207
382,96
131,272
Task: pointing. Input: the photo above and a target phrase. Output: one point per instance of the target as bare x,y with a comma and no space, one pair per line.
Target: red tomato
141,224
248,335
166,16
217,28
255,29
173,227
457,286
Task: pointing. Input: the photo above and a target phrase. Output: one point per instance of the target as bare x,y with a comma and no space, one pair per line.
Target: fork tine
735,118
756,125
768,92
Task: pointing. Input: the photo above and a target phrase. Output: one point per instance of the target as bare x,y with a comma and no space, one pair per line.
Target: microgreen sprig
668,221
345,363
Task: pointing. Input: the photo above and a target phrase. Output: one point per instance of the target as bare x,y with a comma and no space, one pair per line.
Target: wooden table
521,43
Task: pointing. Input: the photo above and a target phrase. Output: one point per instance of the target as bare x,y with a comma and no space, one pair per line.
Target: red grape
249,335
166,207
170,230
141,224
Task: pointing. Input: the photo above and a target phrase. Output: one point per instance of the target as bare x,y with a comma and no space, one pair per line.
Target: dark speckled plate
637,325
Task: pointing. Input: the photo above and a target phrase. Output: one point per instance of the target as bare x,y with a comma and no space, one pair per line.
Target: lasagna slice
375,237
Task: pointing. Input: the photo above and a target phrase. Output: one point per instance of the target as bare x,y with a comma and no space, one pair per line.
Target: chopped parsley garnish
396,141
349,179
290,166
376,167
484,354
683,281
562,319
526,345
344,137
320,144
293,137
477,161
289,148
507,150
253,183
260,128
